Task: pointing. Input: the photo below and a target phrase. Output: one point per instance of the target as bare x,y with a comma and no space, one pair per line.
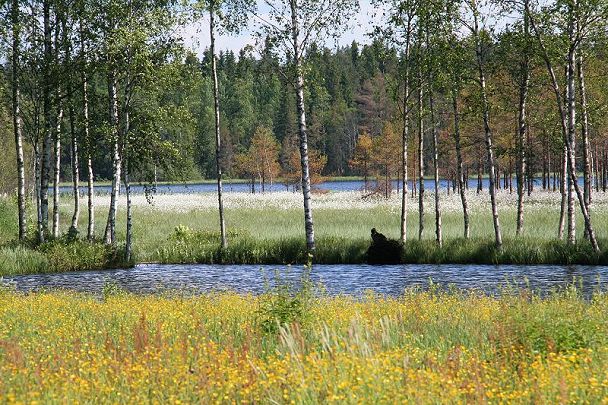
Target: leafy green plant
285,302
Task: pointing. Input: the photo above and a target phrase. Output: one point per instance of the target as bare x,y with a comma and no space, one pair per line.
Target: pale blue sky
196,36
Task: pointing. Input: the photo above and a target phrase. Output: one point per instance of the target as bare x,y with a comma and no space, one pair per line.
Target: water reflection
336,279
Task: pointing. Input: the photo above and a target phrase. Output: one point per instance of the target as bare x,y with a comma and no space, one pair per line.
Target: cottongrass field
268,229
348,214
273,222
423,347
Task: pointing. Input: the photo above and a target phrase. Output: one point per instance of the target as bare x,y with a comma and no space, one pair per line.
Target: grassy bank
268,229
424,347
63,254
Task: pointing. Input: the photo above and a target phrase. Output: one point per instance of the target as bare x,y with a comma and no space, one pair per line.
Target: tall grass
57,255
422,347
266,233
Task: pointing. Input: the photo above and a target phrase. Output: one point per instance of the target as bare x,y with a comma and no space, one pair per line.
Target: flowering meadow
423,347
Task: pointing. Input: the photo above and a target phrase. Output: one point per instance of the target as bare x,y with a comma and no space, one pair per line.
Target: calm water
337,279
342,185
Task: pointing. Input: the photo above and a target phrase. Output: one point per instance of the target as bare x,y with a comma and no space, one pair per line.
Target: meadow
422,347
268,229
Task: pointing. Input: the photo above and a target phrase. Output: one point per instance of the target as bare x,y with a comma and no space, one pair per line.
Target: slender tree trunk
58,125
415,177
488,132
75,171
126,171
57,172
17,123
584,132
110,231
571,115
406,134
89,143
545,174
565,135
461,179
74,148
479,175
218,138
45,165
299,76
564,200
37,170
438,230
420,160
521,136
129,236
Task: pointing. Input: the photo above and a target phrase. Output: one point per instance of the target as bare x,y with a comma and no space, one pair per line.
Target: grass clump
58,255
21,260
422,347
514,251
186,245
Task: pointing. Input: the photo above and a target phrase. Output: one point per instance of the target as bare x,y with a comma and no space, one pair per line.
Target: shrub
285,303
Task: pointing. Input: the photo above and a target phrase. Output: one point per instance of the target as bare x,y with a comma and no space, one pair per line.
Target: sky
196,35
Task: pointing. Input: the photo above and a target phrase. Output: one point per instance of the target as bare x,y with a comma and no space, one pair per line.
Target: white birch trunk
45,165
420,160
57,173
110,231
87,138
438,230
584,132
75,171
17,122
488,132
521,131
218,139
461,179
562,189
299,76
405,135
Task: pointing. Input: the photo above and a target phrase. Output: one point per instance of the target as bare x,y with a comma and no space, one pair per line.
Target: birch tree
399,29
575,28
45,164
475,29
456,74
293,25
17,119
231,16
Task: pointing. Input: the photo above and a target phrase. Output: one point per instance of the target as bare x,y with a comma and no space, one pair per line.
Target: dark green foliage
285,303
202,246
514,251
561,324
189,246
59,255
66,255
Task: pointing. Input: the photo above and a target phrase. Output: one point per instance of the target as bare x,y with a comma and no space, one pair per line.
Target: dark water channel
335,279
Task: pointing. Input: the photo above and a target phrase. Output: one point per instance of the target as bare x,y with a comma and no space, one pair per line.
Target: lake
336,279
334,185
